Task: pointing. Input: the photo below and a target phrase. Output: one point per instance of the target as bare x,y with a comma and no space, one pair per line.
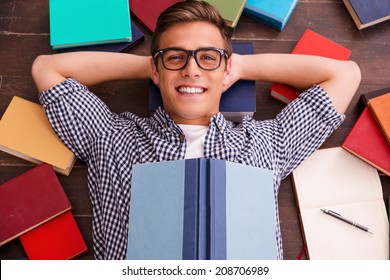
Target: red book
310,43
147,12
367,142
30,200
58,239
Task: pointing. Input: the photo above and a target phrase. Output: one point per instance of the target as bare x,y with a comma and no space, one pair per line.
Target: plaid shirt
111,143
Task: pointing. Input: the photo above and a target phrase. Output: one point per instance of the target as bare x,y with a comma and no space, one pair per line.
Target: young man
192,64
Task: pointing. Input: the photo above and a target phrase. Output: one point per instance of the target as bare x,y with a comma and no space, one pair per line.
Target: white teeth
191,90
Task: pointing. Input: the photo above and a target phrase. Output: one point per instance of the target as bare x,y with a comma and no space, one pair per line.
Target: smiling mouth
191,90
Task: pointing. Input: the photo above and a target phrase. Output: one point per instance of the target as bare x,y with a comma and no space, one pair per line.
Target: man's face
191,95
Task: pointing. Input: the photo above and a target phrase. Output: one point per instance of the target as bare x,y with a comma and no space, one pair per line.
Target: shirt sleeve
76,115
302,126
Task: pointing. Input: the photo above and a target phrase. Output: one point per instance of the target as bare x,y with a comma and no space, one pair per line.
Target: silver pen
348,221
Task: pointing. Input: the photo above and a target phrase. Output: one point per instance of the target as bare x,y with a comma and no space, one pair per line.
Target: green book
88,22
230,10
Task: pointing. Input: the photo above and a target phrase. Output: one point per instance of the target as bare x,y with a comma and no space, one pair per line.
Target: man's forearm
89,68
339,78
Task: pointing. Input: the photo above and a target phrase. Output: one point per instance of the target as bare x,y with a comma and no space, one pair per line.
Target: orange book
25,132
380,107
311,43
57,239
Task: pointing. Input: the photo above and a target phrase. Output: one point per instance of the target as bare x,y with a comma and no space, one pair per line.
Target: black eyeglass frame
190,53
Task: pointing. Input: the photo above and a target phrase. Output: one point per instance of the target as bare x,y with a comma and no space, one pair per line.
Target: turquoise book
204,209
88,22
270,12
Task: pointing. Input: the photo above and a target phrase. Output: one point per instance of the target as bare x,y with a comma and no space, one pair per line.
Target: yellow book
25,132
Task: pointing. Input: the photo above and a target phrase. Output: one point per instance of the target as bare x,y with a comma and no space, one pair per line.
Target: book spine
190,221
217,194
203,220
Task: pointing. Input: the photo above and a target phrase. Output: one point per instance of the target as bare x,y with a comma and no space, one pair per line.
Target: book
147,12
26,132
201,209
368,13
272,13
236,102
364,98
336,180
29,200
230,10
310,43
380,108
57,239
137,37
366,141
88,22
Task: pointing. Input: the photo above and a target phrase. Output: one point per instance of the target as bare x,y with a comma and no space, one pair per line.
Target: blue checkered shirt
110,144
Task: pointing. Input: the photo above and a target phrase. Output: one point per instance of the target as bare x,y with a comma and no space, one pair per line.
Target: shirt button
182,137
221,128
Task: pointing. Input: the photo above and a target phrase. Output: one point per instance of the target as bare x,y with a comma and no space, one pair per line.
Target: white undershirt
195,135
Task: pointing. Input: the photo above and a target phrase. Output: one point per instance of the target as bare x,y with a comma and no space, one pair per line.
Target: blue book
239,100
270,12
137,37
201,209
367,13
88,22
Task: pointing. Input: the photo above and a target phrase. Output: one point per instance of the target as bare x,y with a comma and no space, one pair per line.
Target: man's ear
155,74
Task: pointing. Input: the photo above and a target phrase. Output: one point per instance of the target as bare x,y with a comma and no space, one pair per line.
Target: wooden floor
24,34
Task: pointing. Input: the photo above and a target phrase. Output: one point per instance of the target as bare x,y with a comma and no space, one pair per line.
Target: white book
337,180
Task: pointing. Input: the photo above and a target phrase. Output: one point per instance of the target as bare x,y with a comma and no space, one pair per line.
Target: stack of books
35,208
369,138
92,25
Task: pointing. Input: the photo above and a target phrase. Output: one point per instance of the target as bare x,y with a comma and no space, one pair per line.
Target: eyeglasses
177,59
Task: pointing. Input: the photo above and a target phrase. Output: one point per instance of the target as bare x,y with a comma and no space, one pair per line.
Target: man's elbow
354,75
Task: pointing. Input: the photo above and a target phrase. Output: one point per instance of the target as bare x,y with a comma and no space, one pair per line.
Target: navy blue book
137,37
203,209
238,101
367,13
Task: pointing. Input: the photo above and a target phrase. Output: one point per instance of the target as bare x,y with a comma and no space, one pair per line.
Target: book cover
238,101
137,37
88,22
201,209
336,180
230,10
147,12
366,141
29,200
57,239
380,108
364,98
311,43
272,13
26,132
368,13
